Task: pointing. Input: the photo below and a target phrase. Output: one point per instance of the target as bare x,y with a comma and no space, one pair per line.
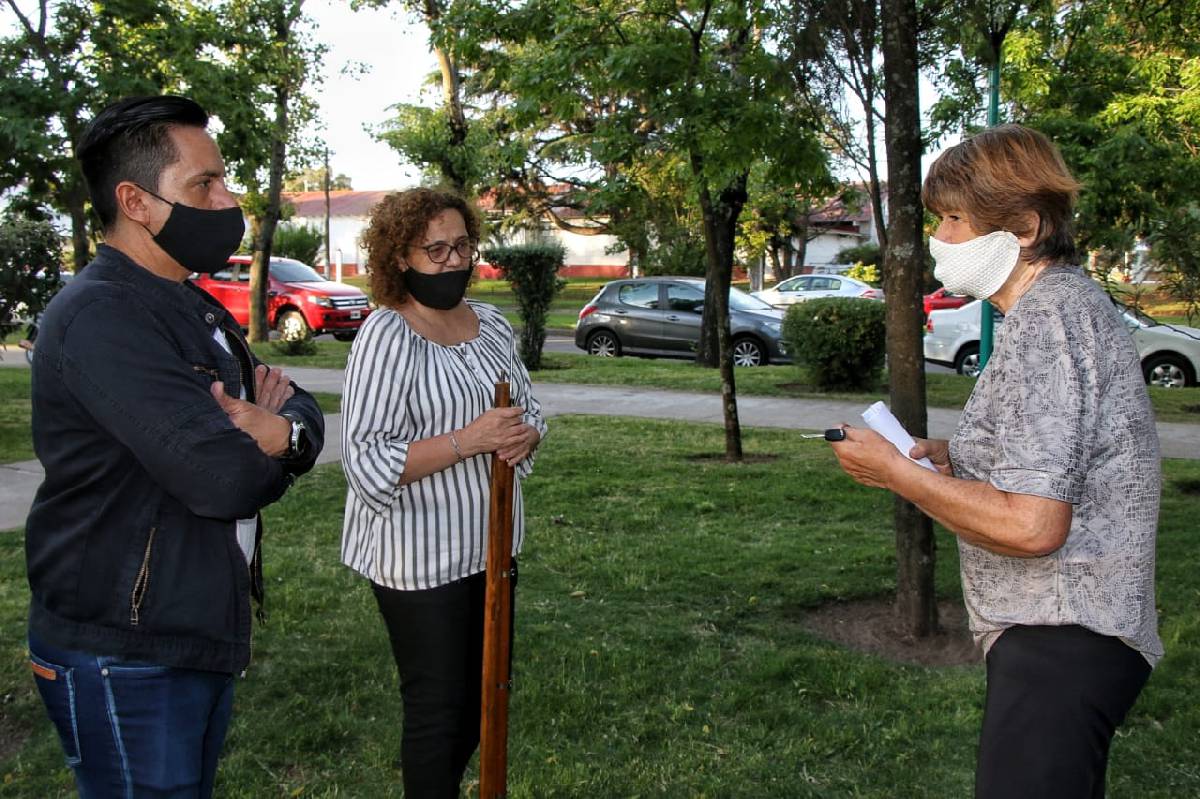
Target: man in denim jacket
162,438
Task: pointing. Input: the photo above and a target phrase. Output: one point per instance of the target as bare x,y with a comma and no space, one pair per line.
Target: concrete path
19,481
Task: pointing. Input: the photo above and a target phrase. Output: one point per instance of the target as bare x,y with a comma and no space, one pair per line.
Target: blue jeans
134,729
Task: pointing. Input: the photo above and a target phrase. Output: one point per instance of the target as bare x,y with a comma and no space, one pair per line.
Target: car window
684,298
819,284
224,274
290,271
795,284
834,284
741,301
639,295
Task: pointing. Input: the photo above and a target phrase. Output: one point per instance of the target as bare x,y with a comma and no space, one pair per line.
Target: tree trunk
79,227
451,169
916,603
259,280
716,340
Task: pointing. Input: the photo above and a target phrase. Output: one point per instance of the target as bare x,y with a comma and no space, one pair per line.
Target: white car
1170,353
806,287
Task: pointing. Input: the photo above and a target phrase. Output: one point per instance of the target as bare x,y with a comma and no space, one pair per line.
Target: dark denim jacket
131,543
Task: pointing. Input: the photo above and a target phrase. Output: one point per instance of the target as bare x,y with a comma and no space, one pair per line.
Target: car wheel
967,361
748,352
603,344
1168,370
292,326
345,335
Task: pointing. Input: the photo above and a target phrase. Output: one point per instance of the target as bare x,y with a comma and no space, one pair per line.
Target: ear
131,201
1032,222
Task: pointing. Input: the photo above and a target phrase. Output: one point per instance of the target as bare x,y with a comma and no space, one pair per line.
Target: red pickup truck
299,300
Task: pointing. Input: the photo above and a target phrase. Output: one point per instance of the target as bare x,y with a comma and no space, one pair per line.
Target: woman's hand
938,452
867,456
517,448
490,431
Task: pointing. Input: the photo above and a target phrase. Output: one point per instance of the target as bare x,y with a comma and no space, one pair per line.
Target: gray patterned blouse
1062,412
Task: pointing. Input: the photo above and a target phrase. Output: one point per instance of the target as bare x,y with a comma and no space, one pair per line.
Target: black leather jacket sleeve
132,380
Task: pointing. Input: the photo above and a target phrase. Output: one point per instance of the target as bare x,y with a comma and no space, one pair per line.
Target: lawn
660,646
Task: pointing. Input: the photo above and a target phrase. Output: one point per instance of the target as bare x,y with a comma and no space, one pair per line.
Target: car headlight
324,302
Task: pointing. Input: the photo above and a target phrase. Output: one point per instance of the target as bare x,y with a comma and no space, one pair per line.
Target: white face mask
977,267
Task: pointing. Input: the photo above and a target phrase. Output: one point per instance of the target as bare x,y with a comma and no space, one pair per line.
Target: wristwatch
298,442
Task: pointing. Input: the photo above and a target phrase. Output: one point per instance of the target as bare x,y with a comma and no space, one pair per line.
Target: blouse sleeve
1046,416
375,430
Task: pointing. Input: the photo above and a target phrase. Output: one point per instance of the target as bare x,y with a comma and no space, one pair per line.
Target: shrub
867,273
30,253
839,340
866,254
302,242
295,347
532,271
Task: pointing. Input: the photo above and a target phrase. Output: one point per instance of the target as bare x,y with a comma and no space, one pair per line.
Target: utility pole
327,181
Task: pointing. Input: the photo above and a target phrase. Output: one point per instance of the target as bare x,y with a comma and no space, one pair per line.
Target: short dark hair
130,140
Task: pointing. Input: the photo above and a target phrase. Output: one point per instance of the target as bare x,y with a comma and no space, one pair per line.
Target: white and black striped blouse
401,388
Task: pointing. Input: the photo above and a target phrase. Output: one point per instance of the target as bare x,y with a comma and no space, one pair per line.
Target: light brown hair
399,222
997,177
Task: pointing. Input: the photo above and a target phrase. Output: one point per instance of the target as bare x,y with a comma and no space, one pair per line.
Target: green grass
941,390
564,308
15,441
659,647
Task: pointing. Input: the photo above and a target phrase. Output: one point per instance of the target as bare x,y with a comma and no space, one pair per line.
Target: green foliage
866,254
1174,247
839,340
301,242
30,256
867,273
532,271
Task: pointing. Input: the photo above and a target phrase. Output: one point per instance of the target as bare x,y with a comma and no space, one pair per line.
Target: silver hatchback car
660,316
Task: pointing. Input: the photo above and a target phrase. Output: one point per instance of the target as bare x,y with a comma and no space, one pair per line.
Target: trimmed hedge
840,341
532,271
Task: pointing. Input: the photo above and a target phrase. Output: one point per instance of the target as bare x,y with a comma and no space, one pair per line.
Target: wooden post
497,627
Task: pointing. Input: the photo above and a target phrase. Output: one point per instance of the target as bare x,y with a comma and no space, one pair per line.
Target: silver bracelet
454,443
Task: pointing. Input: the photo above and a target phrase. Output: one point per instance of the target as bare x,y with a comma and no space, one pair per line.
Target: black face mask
199,239
443,290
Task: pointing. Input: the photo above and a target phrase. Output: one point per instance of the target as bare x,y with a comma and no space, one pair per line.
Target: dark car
661,316
299,300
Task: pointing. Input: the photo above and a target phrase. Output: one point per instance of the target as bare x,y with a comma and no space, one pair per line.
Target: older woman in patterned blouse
418,435
1051,481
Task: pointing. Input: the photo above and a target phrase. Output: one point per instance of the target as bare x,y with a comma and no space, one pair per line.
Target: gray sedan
661,316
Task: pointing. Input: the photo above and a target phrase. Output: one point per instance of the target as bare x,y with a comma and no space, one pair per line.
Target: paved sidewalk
19,481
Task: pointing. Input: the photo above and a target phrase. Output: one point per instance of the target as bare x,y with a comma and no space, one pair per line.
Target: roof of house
342,202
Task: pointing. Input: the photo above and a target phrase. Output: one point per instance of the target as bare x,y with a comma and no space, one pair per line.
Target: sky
376,58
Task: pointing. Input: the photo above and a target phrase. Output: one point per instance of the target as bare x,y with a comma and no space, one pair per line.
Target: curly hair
398,222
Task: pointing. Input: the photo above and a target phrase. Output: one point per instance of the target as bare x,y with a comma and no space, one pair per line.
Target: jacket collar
112,264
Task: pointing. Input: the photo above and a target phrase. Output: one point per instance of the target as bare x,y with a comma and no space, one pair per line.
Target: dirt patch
1188,486
12,736
720,456
869,625
1191,408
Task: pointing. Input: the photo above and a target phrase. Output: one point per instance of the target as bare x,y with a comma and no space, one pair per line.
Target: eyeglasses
439,251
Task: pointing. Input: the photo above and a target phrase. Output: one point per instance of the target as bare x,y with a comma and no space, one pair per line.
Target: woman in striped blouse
418,435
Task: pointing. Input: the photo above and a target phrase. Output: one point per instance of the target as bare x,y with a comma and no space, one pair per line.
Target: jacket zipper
142,583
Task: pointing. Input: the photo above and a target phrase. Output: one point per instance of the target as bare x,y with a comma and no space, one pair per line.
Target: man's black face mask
199,239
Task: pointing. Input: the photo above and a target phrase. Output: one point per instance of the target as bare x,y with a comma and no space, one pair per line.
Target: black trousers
1055,696
437,641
